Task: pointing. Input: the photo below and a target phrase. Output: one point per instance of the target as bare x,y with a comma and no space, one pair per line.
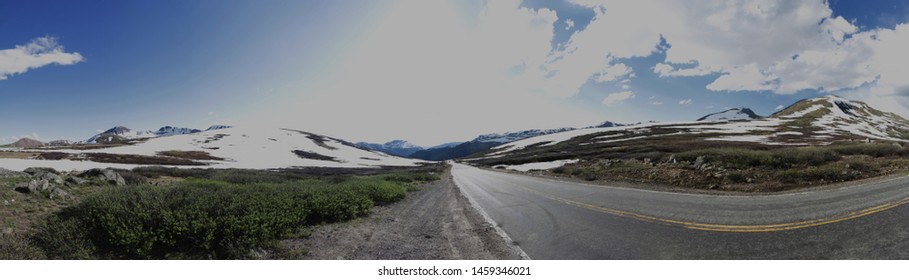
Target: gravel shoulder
434,223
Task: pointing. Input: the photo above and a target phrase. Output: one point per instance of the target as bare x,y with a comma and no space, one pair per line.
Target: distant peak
740,113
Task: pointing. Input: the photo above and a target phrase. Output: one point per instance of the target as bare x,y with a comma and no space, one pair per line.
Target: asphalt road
552,219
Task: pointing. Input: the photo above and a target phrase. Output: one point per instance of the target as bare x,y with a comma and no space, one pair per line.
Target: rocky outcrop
105,175
43,187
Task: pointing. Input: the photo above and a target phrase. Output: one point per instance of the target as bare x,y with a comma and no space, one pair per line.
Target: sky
434,71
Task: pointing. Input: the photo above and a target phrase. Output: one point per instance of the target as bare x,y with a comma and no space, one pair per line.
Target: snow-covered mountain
235,147
742,113
59,143
394,147
118,134
122,134
816,121
518,135
171,131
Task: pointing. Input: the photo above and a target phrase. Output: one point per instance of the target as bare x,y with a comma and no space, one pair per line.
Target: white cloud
617,98
466,74
39,52
776,45
685,102
747,77
656,102
569,24
779,107
501,62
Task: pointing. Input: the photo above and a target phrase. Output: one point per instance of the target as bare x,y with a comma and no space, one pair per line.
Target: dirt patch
191,155
436,222
314,156
139,159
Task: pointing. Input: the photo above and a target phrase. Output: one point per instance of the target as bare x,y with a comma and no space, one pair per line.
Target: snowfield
538,165
240,147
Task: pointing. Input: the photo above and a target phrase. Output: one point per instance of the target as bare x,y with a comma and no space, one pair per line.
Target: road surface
552,219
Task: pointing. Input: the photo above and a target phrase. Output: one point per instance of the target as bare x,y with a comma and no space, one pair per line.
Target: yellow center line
729,228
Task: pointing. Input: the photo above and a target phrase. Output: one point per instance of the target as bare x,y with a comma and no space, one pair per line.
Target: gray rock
75,181
51,177
699,163
41,186
6,173
57,193
105,175
33,186
35,171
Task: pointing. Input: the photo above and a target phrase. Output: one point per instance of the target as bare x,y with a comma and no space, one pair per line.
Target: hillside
234,147
25,143
400,148
829,136
731,114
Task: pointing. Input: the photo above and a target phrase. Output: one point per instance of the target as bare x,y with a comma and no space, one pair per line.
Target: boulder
105,175
41,186
35,171
699,162
33,186
75,181
50,177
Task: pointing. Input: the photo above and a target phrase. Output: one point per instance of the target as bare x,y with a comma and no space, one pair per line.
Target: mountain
731,114
518,135
810,122
258,147
118,134
446,145
171,131
122,134
26,143
607,124
394,147
452,152
486,141
59,143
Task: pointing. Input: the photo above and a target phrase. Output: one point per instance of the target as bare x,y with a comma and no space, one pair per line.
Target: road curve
552,219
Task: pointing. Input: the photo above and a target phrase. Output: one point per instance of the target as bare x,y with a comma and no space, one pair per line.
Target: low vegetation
168,213
746,169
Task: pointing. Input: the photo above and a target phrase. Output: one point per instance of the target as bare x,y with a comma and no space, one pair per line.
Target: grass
210,214
746,169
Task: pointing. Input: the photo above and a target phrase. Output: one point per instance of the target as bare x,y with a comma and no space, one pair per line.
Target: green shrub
208,218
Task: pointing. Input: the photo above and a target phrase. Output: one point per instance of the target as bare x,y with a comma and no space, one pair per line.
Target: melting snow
539,165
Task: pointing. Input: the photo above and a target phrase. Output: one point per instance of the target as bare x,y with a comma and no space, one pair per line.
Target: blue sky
432,72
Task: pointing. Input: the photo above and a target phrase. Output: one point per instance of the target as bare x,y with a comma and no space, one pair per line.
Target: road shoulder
436,222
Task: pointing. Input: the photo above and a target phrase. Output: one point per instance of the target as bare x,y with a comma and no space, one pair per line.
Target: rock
33,186
672,159
106,175
700,163
6,173
58,193
74,181
51,177
35,171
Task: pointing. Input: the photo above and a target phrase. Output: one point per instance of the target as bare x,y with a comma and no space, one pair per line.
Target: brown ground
436,222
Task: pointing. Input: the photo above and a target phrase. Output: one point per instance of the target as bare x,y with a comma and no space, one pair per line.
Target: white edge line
508,241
